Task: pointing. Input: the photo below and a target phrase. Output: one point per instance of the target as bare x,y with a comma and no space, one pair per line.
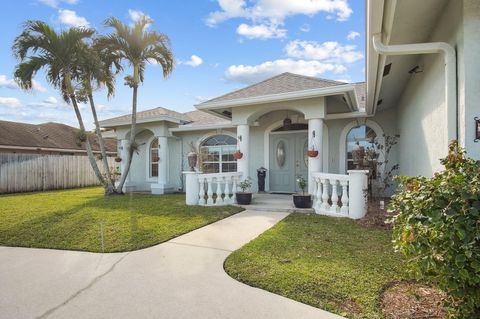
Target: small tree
437,226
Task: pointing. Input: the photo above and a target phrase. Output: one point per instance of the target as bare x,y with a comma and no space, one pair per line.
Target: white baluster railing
341,195
211,189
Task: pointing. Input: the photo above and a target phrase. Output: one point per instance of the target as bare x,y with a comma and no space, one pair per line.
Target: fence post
358,187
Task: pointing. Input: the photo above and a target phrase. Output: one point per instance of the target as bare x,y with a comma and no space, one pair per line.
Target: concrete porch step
275,203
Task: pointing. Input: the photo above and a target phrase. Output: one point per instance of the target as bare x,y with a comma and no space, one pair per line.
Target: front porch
333,194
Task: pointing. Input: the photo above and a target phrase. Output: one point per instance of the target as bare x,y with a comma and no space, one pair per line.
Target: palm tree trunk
110,186
128,162
88,147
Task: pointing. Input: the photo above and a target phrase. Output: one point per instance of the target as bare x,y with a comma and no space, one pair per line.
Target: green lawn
73,219
330,263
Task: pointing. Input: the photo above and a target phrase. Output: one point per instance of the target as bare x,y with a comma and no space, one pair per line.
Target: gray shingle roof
282,83
156,112
204,118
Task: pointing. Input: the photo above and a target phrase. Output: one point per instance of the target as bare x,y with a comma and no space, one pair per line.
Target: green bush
437,226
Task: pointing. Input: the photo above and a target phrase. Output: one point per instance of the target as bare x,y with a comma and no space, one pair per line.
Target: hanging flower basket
237,155
118,159
312,153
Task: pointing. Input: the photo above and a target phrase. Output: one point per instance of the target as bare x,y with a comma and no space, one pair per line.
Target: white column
192,188
243,138
161,186
358,187
315,138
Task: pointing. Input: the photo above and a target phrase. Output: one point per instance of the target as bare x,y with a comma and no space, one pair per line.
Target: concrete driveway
182,278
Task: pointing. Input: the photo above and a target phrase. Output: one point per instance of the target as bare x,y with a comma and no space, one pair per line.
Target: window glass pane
154,170
210,168
229,167
227,153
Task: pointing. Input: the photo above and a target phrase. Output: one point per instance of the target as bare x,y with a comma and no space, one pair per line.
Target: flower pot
312,153
237,155
118,159
243,198
302,201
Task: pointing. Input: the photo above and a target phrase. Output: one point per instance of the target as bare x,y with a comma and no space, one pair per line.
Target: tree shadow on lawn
124,223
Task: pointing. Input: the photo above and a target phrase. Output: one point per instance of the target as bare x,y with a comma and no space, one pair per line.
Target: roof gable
282,83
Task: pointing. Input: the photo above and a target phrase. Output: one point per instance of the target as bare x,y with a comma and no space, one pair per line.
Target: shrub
437,226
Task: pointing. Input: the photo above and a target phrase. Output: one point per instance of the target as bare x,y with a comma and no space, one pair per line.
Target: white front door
287,160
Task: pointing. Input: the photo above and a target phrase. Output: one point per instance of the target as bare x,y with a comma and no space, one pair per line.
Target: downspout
449,55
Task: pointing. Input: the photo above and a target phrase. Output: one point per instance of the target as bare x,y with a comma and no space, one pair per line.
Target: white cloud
55,3
70,18
11,102
331,51
194,61
305,28
38,87
51,100
352,35
135,15
7,83
11,84
261,31
253,73
277,10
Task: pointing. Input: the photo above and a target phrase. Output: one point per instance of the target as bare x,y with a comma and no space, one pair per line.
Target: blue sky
219,45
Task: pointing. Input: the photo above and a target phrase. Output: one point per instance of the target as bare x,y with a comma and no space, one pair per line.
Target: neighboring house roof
158,113
48,135
282,83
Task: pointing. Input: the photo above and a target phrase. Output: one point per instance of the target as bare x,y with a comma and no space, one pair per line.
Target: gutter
450,59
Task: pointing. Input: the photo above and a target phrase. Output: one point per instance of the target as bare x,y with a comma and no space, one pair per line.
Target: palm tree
94,71
39,46
138,46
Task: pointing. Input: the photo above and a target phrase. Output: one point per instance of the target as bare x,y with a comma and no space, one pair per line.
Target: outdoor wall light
477,129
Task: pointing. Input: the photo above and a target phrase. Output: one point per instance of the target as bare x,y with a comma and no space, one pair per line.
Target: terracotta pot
118,159
312,153
237,155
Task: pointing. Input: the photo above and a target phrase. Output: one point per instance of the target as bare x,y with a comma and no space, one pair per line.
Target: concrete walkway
182,278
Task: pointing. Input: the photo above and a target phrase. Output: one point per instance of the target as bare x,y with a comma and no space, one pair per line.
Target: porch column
243,140
315,140
161,186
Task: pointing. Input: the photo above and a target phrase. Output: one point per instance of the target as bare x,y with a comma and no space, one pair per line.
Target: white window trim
148,152
212,134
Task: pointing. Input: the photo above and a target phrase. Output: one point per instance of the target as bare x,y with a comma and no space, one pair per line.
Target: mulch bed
376,217
412,300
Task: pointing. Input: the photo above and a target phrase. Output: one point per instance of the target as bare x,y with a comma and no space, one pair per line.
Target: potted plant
244,197
302,200
312,153
237,155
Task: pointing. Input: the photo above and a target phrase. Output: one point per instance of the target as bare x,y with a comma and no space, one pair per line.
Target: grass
73,219
330,263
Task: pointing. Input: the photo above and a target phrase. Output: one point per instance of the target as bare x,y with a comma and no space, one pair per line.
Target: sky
219,46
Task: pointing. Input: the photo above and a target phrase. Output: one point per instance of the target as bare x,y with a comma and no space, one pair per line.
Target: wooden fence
35,172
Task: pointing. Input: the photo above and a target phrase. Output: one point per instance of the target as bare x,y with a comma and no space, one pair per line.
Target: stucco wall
421,110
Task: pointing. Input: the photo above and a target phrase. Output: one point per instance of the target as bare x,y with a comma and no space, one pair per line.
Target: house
47,138
422,72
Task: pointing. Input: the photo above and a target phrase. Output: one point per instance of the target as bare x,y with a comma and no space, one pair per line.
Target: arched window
154,158
365,137
216,154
